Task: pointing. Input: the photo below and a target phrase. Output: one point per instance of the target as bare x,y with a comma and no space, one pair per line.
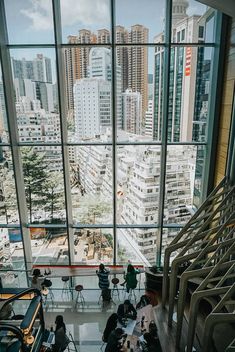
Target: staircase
203,254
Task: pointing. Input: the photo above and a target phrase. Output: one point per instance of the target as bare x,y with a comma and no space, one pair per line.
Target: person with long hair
110,326
130,277
61,339
37,279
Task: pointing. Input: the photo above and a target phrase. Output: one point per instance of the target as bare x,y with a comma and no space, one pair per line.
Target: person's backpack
106,294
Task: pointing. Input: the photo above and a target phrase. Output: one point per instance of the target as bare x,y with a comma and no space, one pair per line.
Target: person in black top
61,339
114,341
150,344
110,326
126,310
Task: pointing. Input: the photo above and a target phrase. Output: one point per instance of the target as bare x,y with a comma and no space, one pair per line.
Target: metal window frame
58,46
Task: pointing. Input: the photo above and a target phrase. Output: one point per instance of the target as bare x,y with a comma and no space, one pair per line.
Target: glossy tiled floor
86,323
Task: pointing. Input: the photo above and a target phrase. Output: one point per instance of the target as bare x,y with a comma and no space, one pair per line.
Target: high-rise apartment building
100,64
138,63
92,107
100,67
183,67
85,37
132,111
71,69
33,79
3,117
76,59
122,54
103,36
149,120
38,69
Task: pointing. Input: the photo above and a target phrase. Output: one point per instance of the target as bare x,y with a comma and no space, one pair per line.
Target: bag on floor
106,294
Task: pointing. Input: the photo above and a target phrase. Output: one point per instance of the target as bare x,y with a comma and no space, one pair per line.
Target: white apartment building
100,67
93,161
132,111
140,200
92,107
138,178
100,63
149,120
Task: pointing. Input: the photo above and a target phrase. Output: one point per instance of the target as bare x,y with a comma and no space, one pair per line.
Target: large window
104,122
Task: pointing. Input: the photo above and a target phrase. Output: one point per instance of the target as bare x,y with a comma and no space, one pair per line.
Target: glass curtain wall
104,110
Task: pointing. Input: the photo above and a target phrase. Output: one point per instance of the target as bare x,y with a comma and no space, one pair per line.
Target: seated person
144,301
126,310
110,326
115,341
150,343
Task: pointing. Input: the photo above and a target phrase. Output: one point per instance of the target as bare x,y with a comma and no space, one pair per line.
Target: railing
205,252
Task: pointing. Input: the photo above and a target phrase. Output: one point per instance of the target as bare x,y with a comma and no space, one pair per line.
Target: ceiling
225,6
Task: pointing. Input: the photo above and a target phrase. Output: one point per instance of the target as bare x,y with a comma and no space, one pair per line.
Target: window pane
8,201
88,77
167,237
137,246
190,80
29,22
12,255
182,163
49,246
36,95
44,184
4,133
91,184
192,22
138,178
139,21
86,21
134,93
92,246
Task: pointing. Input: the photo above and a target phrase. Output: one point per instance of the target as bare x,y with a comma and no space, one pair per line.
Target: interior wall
226,108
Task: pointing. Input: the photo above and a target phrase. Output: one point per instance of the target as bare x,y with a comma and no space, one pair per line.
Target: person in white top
37,279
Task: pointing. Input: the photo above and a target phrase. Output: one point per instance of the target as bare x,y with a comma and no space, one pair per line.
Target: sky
31,21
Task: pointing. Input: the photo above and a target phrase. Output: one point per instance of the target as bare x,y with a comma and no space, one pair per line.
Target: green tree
93,208
54,193
35,178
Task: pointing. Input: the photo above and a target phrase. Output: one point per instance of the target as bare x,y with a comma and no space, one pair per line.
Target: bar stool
80,297
115,290
47,283
44,293
132,294
65,291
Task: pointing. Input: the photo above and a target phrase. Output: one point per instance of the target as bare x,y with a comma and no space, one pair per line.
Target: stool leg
65,291
115,289
52,297
80,299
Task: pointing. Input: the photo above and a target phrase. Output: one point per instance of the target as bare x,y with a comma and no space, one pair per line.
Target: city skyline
88,71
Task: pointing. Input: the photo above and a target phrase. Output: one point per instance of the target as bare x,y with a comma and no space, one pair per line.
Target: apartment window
200,31
92,177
